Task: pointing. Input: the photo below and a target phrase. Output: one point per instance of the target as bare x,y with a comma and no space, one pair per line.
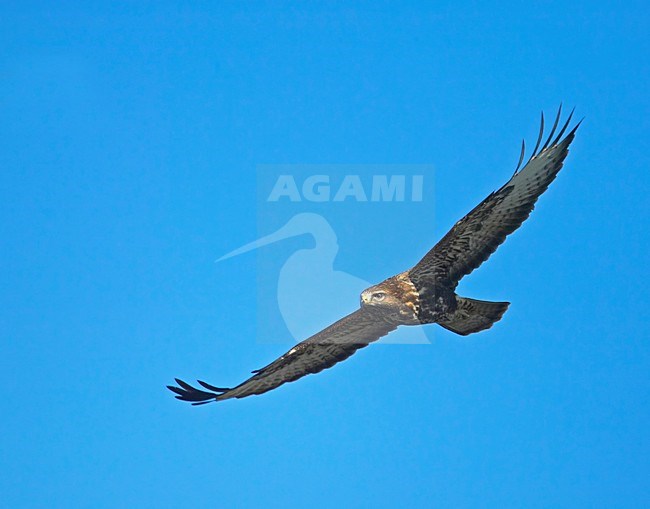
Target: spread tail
474,315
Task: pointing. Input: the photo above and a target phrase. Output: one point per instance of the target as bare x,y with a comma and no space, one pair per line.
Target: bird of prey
424,294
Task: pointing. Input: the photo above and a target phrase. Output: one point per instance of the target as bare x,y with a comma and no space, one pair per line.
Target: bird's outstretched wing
333,344
476,236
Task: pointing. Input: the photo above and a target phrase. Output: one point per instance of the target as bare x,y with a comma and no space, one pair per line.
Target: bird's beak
281,234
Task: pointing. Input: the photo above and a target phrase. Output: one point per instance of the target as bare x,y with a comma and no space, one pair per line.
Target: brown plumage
424,294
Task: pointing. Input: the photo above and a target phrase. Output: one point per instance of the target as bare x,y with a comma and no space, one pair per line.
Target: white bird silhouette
311,294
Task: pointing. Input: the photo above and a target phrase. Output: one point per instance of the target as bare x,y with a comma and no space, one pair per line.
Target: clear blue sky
129,141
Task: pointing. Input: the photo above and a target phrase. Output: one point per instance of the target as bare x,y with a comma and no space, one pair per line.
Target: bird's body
424,294
425,303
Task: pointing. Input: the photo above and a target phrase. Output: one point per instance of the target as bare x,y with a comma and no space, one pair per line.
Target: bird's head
389,296
375,296
380,296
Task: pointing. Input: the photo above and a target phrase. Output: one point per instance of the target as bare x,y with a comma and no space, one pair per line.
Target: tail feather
474,315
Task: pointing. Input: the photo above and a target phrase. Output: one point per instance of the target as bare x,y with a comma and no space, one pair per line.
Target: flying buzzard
423,294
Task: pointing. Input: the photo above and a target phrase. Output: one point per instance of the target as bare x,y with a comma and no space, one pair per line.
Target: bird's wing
476,236
333,344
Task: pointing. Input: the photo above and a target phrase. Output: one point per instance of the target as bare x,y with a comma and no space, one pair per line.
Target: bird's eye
379,296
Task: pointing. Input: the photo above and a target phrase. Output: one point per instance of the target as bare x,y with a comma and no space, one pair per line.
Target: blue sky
129,147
